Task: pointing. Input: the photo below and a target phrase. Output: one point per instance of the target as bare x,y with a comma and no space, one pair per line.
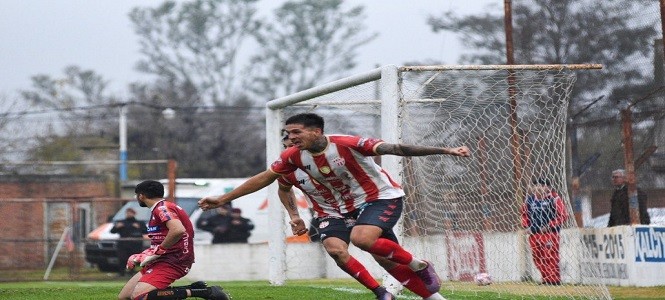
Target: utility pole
627,139
122,170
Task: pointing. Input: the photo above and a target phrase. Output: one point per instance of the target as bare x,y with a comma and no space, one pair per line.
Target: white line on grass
357,291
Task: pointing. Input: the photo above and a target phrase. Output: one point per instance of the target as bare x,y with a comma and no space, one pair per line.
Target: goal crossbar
503,67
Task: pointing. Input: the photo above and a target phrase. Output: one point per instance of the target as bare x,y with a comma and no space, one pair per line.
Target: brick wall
46,186
27,224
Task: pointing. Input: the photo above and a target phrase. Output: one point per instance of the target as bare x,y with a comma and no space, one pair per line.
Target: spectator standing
239,228
218,224
543,214
619,209
131,233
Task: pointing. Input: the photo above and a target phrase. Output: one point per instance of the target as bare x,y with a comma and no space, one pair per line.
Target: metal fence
46,238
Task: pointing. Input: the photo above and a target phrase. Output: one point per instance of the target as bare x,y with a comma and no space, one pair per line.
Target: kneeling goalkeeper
171,252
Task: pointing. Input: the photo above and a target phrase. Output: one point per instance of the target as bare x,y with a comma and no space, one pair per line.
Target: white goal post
463,214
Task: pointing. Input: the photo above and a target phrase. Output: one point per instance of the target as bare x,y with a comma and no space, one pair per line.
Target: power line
203,108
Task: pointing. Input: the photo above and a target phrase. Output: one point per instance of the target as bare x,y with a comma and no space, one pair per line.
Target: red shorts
161,274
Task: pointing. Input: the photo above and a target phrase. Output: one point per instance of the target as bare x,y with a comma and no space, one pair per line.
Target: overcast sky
45,36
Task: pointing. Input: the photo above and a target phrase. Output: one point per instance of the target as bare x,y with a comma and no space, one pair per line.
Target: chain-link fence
57,238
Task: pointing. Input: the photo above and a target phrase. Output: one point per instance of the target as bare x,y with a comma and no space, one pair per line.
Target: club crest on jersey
325,170
338,161
324,224
361,142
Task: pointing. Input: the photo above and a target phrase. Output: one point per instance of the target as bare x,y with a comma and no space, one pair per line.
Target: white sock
435,296
417,264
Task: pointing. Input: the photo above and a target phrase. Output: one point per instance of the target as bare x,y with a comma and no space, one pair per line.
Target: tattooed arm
288,199
415,150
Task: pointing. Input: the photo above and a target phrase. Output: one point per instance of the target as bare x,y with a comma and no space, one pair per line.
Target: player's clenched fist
298,226
209,202
461,151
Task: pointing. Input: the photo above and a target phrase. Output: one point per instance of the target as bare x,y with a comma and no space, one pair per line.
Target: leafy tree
310,42
206,141
192,48
613,33
566,32
195,43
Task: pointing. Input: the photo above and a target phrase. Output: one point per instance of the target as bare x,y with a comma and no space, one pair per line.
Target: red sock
410,280
358,271
391,250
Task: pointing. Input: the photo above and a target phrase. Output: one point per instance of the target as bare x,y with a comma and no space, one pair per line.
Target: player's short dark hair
542,181
150,189
307,120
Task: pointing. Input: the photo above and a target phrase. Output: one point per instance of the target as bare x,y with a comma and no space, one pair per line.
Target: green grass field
255,290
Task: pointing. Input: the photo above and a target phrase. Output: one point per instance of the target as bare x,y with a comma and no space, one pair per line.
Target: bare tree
310,42
563,32
10,118
195,43
617,34
78,100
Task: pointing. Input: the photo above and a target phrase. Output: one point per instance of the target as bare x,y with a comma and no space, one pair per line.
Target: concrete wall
622,256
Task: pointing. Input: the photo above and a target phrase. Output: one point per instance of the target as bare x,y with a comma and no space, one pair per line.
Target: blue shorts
382,213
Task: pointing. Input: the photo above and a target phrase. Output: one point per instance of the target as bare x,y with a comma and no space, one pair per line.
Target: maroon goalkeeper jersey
183,251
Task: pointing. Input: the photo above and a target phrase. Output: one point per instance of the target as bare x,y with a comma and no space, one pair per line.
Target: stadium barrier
620,256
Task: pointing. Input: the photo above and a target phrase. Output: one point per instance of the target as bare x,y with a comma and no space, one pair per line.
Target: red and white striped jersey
321,198
345,166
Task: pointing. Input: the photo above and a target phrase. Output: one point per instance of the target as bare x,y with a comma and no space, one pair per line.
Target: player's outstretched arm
253,184
415,150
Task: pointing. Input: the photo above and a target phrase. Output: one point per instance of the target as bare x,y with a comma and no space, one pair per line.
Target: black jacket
132,228
620,212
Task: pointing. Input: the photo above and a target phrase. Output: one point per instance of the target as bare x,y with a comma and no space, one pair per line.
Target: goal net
463,214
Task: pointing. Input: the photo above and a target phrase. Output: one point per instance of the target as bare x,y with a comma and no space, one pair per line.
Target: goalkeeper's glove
134,260
152,254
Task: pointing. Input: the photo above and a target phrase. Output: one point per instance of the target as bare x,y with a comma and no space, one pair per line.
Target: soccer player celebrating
171,252
344,165
335,226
